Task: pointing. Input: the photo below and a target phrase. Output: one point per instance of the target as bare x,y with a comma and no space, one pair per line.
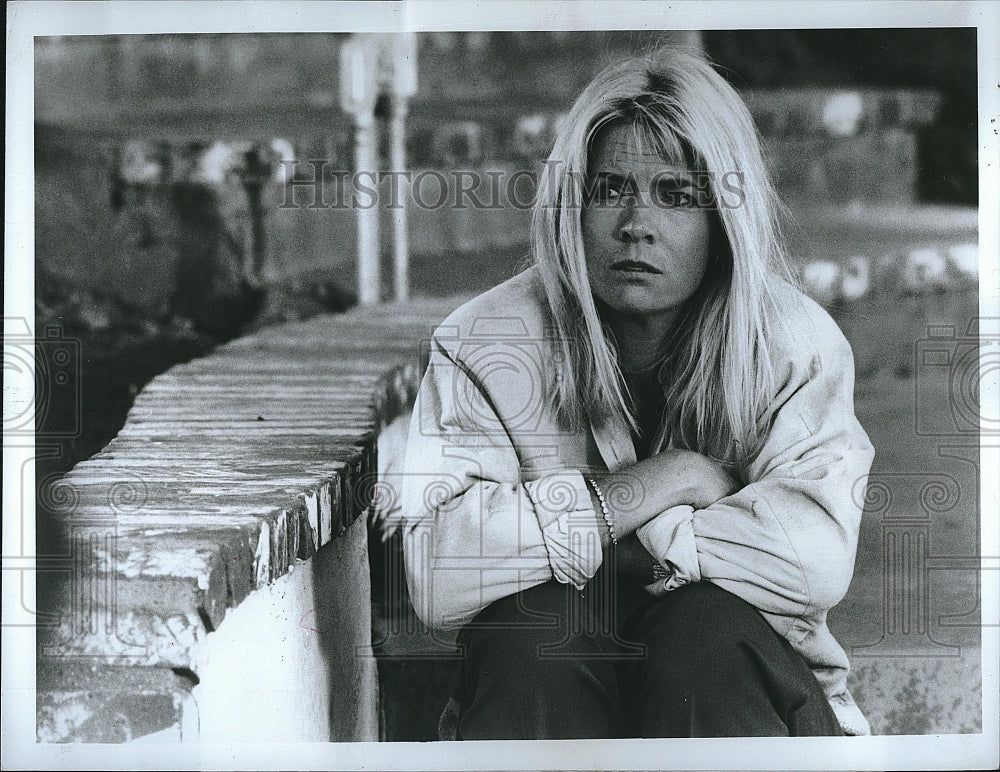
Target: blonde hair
722,373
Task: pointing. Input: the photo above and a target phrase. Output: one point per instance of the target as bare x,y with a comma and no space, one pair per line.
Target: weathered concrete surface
79,701
906,695
294,660
178,538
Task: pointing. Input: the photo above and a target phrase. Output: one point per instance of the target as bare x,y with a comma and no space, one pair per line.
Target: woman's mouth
634,266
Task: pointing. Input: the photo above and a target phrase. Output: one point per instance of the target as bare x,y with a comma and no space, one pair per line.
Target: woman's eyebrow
674,179
667,179
664,169
614,177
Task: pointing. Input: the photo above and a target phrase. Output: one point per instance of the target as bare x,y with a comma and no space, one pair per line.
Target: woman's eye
677,197
608,192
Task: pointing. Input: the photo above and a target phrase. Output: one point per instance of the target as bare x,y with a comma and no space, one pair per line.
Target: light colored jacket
495,499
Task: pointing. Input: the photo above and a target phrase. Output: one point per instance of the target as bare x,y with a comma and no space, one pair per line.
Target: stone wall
212,576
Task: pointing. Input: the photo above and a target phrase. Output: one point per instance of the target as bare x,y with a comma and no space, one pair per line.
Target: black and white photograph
555,385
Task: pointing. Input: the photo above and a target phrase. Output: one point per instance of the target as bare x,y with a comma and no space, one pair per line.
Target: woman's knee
532,637
714,666
694,607
699,631
527,674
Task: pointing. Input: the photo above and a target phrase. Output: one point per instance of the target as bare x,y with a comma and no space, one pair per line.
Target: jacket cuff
669,538
849,715
569,526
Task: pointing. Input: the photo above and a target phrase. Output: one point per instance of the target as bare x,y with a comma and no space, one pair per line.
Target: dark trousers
554,663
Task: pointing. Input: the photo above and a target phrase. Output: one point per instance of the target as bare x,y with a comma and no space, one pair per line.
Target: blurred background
150,249
160,229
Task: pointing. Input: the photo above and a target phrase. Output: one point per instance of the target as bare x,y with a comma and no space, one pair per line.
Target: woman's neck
641,340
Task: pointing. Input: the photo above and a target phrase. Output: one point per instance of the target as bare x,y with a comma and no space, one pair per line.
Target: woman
635,467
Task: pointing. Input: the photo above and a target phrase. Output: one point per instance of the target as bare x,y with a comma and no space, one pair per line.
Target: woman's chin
639,301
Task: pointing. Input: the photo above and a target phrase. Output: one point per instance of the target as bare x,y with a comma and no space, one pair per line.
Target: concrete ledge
83,702
229,472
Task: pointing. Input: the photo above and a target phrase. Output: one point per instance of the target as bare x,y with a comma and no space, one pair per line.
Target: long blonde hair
722,373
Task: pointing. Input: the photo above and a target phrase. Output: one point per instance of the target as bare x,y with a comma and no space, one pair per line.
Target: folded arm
474,530
785,542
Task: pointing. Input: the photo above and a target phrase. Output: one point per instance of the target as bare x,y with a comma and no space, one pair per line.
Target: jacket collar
614,439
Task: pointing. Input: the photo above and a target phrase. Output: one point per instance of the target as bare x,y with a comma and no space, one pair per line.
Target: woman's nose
633,228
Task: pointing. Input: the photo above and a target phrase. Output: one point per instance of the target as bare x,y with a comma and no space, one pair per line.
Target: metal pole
369,243
400,235
358,92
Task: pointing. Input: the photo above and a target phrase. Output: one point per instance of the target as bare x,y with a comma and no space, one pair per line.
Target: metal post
358,92
400,79
400,235
369,241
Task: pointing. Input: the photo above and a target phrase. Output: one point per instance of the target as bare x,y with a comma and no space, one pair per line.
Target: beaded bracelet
604,511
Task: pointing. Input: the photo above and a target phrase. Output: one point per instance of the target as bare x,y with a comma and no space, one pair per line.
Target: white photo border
28,19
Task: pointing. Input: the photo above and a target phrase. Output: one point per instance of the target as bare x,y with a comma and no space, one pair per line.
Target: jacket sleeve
474,531
786,542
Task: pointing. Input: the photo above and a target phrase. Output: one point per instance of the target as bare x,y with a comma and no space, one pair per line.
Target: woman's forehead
628,147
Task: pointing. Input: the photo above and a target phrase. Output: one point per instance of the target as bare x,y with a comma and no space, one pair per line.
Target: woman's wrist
602,509
625,498
602,525
637,494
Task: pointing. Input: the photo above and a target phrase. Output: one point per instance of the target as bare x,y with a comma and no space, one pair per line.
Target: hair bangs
654,131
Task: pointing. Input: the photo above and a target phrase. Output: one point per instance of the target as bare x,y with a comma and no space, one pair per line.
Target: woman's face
645,240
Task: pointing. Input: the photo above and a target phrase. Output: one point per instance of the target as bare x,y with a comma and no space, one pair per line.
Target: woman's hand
637,494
